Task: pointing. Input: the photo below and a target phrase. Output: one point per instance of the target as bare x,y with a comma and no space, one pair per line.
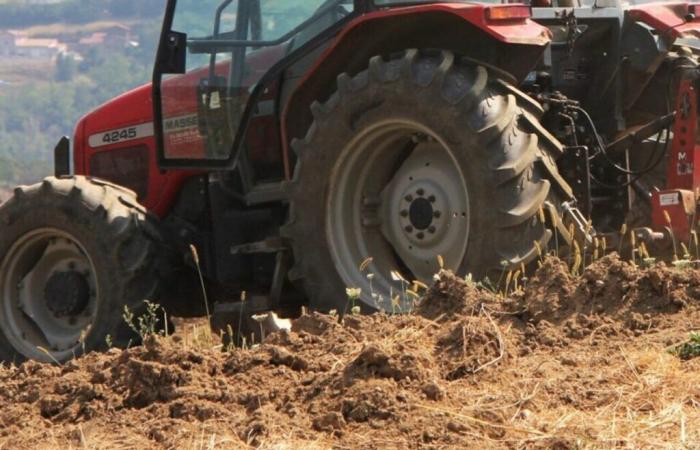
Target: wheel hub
398,199
421,212
67,293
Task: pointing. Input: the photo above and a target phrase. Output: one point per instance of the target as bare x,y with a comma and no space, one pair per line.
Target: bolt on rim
397,197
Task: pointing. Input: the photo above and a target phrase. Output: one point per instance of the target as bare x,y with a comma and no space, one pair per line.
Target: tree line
19,15
33,116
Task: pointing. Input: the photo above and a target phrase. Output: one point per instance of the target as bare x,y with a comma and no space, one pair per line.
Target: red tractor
308,147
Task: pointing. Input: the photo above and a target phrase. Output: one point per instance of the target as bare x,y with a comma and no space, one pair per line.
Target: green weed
147,323
689,349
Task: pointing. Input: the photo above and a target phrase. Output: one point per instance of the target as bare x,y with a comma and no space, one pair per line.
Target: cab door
218,69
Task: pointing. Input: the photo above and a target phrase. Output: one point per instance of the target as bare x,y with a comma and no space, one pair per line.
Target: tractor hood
126,118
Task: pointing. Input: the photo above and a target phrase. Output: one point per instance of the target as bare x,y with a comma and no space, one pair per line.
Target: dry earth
570,362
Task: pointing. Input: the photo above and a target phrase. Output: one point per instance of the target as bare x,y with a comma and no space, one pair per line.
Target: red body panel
512,31
130,109
668,19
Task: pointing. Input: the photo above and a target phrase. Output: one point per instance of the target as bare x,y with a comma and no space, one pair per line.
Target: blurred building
18,44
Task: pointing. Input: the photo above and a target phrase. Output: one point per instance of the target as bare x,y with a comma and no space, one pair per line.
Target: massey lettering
181,123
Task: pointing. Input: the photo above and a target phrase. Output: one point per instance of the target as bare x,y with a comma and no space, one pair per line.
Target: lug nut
409,229
420,235
431,199
437,214
408,198
420,192
432,230
404,213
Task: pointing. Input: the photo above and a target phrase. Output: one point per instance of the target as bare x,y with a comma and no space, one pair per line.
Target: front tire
74,252
419,161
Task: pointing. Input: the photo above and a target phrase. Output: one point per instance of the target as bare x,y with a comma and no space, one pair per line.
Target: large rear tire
418,159
74,252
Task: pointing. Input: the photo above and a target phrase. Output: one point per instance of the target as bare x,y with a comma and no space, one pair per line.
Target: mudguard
501,37
673,20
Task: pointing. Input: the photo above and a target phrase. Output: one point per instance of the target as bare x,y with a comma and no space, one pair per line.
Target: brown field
566,363
17,71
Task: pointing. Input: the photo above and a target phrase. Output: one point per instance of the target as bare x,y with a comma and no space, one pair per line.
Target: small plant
504,268
667,216
509,277
145,324
48,353
488,285
415,297
596,246
396,304
576,265
243,298
689,349
83,337
353,295
516,280
648,262
682,264
686,252
686,262
623,232
633,246
109,341
694,236
554,221
230,338
195,257
260,319
586,234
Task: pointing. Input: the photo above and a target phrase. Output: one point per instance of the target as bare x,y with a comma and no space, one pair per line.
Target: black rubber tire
501,156
114,230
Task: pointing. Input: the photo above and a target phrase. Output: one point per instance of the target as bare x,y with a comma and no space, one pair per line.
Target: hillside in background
61,59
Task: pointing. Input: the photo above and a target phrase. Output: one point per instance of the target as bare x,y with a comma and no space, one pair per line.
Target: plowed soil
568,362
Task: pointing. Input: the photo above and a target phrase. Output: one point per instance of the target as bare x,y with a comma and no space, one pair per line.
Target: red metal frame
677,203
684,156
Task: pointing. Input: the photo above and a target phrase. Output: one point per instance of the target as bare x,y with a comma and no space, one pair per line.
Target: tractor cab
212,81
